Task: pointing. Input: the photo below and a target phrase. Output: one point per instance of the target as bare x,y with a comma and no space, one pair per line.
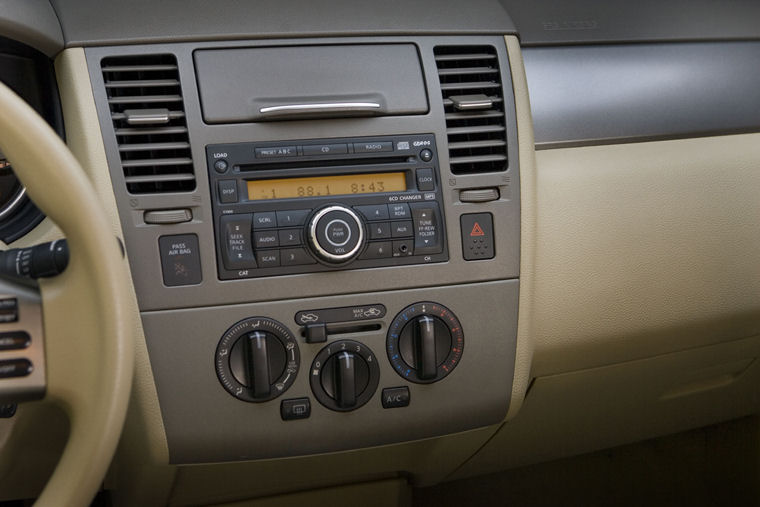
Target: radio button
295,257
237,252
268,258
265,220
378,250
380,230
370,147
290,237
325,149
403,248
402,229
228,191
399,211
425,179
427,233
375,212
291,218
276,152
266,239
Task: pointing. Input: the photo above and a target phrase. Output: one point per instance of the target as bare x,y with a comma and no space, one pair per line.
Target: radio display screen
347,184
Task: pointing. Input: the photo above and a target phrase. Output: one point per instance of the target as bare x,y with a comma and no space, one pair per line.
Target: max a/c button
395,397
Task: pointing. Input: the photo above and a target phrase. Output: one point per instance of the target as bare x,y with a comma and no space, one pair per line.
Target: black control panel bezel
238,162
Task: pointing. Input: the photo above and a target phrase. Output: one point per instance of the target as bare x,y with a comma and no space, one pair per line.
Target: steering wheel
88,329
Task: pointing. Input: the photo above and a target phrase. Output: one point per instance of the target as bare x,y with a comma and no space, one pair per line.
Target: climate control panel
258,358
314,375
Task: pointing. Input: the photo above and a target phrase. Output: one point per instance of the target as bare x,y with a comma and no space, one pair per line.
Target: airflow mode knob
257,359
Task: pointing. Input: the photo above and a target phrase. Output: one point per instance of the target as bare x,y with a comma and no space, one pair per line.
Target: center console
324,236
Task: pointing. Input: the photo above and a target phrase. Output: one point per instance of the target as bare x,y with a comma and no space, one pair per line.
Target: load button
427,232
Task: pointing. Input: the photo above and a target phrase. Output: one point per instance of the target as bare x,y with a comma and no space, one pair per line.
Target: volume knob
335,234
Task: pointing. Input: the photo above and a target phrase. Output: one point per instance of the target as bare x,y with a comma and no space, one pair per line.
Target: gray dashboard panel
101,22
235,84
32,22
592,94
547,22
142,238
204,423
183,325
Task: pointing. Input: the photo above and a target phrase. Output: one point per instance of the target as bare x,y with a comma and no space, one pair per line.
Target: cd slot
344,162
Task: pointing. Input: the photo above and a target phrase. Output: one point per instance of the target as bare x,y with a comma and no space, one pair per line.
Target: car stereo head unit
326,204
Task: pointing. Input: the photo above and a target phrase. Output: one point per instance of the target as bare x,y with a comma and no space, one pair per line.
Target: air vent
474,104
145,99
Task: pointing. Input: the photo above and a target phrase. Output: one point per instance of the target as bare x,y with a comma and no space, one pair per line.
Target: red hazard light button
477,236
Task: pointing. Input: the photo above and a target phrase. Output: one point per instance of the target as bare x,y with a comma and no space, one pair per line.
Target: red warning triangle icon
476,230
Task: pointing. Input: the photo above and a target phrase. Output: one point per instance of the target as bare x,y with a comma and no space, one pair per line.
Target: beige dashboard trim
143,449
525,141
645,249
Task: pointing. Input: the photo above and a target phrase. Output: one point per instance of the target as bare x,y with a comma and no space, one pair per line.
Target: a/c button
395,397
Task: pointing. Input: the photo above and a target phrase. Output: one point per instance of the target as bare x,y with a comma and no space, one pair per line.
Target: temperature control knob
336,234
425,342
344,375
257,359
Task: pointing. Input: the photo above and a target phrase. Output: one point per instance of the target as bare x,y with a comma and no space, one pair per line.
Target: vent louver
474,105
145,99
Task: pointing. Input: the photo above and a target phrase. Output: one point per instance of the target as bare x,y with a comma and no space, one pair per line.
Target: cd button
376,212
268,258
325,149
379,230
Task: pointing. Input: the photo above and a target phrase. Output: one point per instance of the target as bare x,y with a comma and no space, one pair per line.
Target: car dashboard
382,249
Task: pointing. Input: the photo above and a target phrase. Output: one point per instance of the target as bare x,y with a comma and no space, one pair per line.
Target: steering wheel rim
88,330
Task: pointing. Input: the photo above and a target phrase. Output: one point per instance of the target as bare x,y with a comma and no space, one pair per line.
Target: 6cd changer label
318,205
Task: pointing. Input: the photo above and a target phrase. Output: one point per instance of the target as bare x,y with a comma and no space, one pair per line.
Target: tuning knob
335,234
425,342
344,375
257,359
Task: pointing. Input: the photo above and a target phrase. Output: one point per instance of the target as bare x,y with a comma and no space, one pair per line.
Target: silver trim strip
332,107
10,207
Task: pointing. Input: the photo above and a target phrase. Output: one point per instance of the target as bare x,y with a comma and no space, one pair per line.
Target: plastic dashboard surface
463,383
